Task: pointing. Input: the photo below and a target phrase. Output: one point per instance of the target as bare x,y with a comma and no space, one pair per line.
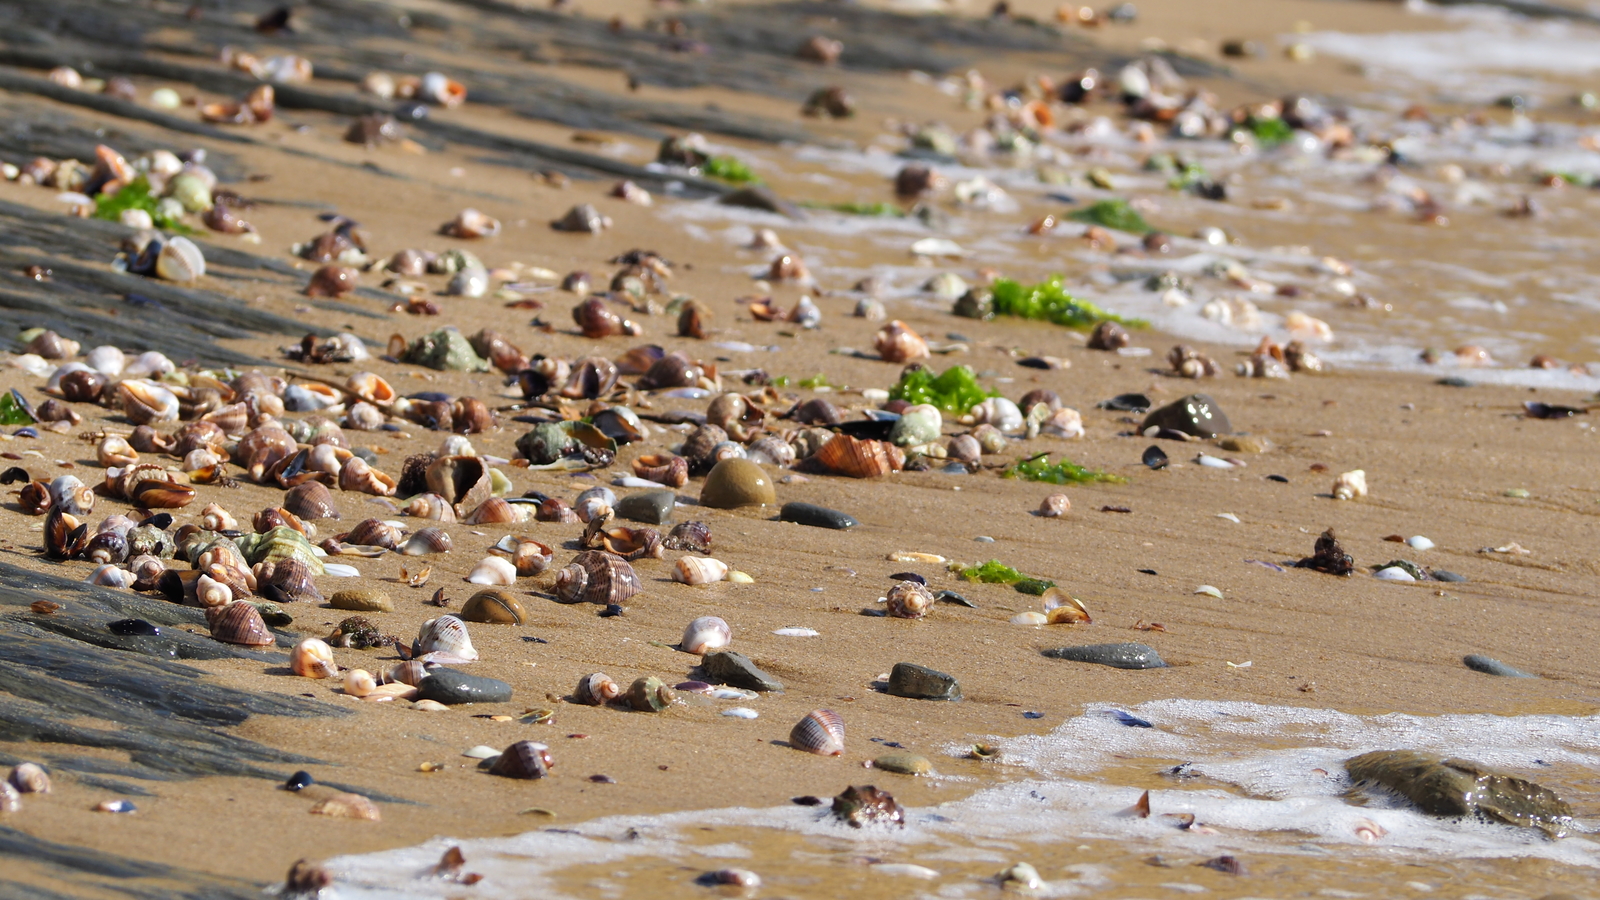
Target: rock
1196,414
761,198
736,669
362,600
650,507
733,483
1118,656
922,683
816,516
1490,666
1446,575
452,687
1456,787
447,350
904,764
493,606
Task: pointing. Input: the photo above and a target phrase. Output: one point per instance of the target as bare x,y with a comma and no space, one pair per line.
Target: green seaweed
884,210
992,572
136,195
816,381
1112,214
1039,468
1049,301
729,169
956,391
12,410
1269,131
1034,586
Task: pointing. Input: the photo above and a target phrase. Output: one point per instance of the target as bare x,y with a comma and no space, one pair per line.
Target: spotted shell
239,622
820,732
909,600
524,759
597,577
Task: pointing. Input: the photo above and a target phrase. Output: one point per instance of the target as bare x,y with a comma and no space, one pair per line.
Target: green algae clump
1039,468
955,391
1049,301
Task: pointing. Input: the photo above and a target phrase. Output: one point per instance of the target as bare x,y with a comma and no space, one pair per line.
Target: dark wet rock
953,597
133,628
922,683
1457,787
815,516
452,687
1328,556
650,507
1126,403
1490,666
1446,575
1197,415
761,198
736,670
1118,656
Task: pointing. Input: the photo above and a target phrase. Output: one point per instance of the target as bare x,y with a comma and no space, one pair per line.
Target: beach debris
921,683
347,806
1020,877
1328,556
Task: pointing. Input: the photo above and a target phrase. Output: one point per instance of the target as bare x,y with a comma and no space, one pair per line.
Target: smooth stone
452,688
1418,542
1457,787
733,483
493,606
362,600
903,764
1490,666
1446,575
1118,656
650,507
733,668
815,516
1196,414
922,683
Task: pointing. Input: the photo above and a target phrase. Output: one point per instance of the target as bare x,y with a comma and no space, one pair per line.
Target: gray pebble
1489,666
650,507
736,669
1442,575
815,516
984,539
451,688
1119,656
922,683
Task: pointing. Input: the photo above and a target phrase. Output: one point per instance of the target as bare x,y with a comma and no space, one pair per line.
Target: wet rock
650,507
1118,656
362,600
815,516
903,764
1457,787
922,683
761,198
1490,666
1328,557
1136,403
1196,414
451,688
736,670
733,483
1446,575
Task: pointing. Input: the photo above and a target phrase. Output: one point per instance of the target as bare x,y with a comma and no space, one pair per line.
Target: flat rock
736,669
362,600
1457,787
1118,656
816,516
650,507
1196,414
922,683
451,687
1490,666
903,764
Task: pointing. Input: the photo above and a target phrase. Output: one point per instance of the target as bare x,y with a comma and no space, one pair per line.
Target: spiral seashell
208,592
311,500
106,547
180,260
312,658
594,502
500,353
226,219
592,377
493,570
698,449
663,468
674,370
371,388
426,541
595,320
239,622
650,694
1350,485
596,690
1055,506
897,343
582,218
705,633
1368,831
1064,423
29,778
771,450
524,759
596,577
145,402
446,635
965,448
72,495
470,223
691,536
530,557
109,575
49,345
409,672
147,571
82,386
287,581
373,533
554,509
999,412
1108,335
1061,608
820,732
699,570
115,451
909,600
846,455
628,543
359,682
359,477
363,416
495,511
263,448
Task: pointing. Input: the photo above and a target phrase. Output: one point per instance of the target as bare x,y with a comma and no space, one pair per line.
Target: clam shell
495,511
428,540
146,403
597,577
161,494
312,658
820,732
493,570
371,388
524,759
494,607
311,500
909,600
672,471
239,622
705,633
446,635
348,806
596,689
180,260
699,570
845,455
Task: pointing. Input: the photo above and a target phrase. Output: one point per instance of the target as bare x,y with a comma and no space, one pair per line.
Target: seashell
109,575
348,806
115,451
461,480
1109,335
226,219
72,495
771,450
312,658
106,359
554,509
524,759
359,682
788,267
493,570
10,799
596,320
469,223
691,536
106,547
147,571
1350,485
426,541
208,592
34,498
311,500
409,672
594,502
671,371
737,416
989,438
493,607
897,343
53,411
699,570
495,511
999,412
363,416
705,633
917,425
288,580
596,577
1064,423
29,778
180,260
965,448
280,542
371,388
469,415
358,477
596,690
1301,359
1055,506
582,218
1061,608
650,694
441,90
162,494
820,732
373,533
1188,362
49,345
529,556
64,536
628,543
845,455
239,622
909,600
82,386
145,402
263,448
446,635
663,468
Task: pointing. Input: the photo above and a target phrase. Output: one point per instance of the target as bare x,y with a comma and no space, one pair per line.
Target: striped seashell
445,635
409,672
820,732
597,689
524,759
428,540
311,500
597,577
239,622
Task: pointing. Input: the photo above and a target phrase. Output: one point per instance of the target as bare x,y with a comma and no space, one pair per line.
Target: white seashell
1029,618
34,365
445,635
180,260
340,570
1350,485
312,658
908,870
493,570
633,481
1393,573
937,247
456,445
480,752
359,683
1213,462
731,693
699,570
1063,423
999,412
148,363
394,690
137,219
741,712
107,360
1418,542
705,633
111,576
797,632
1209,591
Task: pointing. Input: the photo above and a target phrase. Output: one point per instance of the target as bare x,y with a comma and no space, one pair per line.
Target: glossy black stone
1197,415
133,628
815,516
299,781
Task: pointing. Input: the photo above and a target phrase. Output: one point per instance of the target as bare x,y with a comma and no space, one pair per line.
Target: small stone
1245,443
362,600
1196,414
451,688
1118,656
1446,575
815,516
734,482
735,669
650,507
1055,506
922,683
904,764
1490,666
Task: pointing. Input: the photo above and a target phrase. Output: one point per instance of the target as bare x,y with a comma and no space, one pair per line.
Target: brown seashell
663,468
908,600
162,494
226,219
287,580
596,690
263,448
145,402
1191,363
897,343
50,345
596,577
693,319
591,378
671,371
431,506
64,536
1109,335
528,556
494,607
373,533
259,103
357,476
689,536
311,500
53,410
741,419
503,354
239,622
596,320
470,223
817,411
332,281
630,543
1033,398
428,540
649,694
554,509
524,759
348,806
699,570
1055,506
34,498
788,267
462,480
312,658
698,448
278,517
201,435
469,415
495,511
82,386
820,732
845,455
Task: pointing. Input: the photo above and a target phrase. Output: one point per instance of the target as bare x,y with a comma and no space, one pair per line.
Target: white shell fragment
480,752
1393,573
796,632
1418,542
1209,591
741,712
340,570
1213,462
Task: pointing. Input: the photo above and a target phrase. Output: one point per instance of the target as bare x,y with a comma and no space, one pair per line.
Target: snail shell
145,402
596,690
371,388
597,577
469,415
820,732
373,533
554,509
82,385
239,622
209,592
741,419
1064,423
287,581
897,343
524,759
846,455
493,570
332,281
431,506
965,448
674,370
1350,485
693,320
705,633
348,806
772,450
215,518
312,658
462,480
115,451
446,635
1055,506
691,536
363,416
106,547
263,448
650,694
311,500
72,495
29,778
111,576
359,682
428,540
662,468
909,600
470,223
594,502
357,476
409,672
530,557
699,570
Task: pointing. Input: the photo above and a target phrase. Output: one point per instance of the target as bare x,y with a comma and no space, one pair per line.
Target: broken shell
312,658
897,343
462,480
909,600
348,806
820,732
239,622
705,633
1350,485
311,500
494,607
524,759
428,540
596,690
493,570
446,635
114,450
145,402
699,570
597,577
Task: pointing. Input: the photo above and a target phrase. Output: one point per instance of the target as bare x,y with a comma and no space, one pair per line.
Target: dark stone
1155,457
299,781
650,507
1126,403
922,683
1490,666
451,687
1118,656
1456,787
1196,414
736,669
815,516
133,627
1446,575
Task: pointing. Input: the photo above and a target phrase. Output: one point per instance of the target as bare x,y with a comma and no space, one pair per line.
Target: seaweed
955,391
729,169
1039,468
1269,131
818,380
1112,214
883,210
136,195
1049,301
14,411
996,572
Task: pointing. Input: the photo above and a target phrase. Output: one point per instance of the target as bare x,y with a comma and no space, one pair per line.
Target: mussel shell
524,759
820,732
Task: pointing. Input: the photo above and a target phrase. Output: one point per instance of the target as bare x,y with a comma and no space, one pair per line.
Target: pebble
362,600
1118,656
1446,575
730,667
299,781
922,683
1418,542
1196,414
733,483
904,764
741,712
650,507
1490,666
451,688
1393,573
816,516
984,539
